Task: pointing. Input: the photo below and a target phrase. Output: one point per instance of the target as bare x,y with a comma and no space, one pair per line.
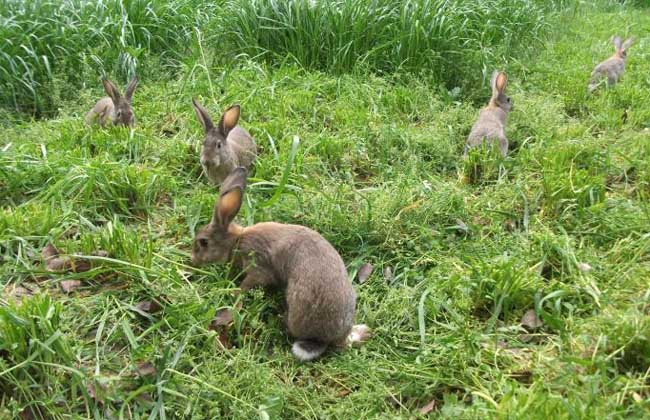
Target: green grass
562,226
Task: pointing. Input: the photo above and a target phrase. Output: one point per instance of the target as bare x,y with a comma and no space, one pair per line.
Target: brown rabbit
226,146
491,123
320,299
613,68
114,108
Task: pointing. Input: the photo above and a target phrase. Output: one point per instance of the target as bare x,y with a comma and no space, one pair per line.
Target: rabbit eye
218,145
203,242
119,113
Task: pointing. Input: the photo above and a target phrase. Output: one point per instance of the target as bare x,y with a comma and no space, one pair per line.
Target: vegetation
561,226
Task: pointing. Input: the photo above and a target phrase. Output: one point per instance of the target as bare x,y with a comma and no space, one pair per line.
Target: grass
56,48
560,226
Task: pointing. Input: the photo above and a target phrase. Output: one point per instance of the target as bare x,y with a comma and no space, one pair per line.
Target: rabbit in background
491,123
319,296
226,145
613,68
114,108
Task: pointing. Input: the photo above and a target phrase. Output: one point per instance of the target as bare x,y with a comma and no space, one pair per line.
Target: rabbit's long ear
229,119
111,90
617,42
230,198
627,44
502,81
128,94
203,115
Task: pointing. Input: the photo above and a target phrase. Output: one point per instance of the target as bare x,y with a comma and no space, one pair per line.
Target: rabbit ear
627,44
128,94
203,115
499,82
111,90
617,42
229,119
230,198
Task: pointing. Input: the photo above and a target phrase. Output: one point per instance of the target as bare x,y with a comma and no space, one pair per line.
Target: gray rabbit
613,68
319,296
226,145
114,108
491,123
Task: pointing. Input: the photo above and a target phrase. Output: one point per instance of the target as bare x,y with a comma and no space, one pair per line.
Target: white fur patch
304,355
359,334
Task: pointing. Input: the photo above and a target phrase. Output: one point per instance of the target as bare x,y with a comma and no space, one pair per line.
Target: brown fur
115,108
491,123
226,145
613,68
320,298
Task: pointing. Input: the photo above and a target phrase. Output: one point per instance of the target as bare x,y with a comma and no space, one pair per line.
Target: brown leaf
388,273
69,286
149,306
49,252
145,368
531,321
17,292
428,408
223,317
364,272
100,253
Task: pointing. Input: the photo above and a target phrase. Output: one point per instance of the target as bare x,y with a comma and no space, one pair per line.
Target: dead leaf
49,252
364,272
149,306
222,318
145,368
428,408
531,321
17,292
55,263
388,273
69,286
637,397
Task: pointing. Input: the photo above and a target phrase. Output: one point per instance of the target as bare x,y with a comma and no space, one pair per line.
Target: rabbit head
122,112
499,98
215,150
622,47
216,241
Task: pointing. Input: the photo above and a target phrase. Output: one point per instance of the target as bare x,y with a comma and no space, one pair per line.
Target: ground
561,226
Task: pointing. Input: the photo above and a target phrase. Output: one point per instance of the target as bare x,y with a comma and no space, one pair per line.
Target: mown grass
560,226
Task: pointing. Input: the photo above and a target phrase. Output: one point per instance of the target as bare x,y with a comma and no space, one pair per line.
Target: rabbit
319,297
226,146
114,108
613,67
491,123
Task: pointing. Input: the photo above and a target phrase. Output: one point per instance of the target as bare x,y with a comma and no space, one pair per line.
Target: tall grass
455,40
75,41
51,48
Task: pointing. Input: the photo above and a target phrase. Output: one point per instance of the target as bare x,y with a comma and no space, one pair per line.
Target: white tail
306,351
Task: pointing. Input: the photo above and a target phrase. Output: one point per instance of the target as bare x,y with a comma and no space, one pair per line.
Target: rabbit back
489,126
320,298
612,69
103,110
243,146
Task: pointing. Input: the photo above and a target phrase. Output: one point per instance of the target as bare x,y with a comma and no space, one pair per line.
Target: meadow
360,110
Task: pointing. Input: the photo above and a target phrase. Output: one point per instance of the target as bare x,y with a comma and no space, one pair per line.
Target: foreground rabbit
491,123
612,68
320,299
226,146
114,108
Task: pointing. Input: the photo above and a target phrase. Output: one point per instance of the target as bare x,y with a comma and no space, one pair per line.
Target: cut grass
561,226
